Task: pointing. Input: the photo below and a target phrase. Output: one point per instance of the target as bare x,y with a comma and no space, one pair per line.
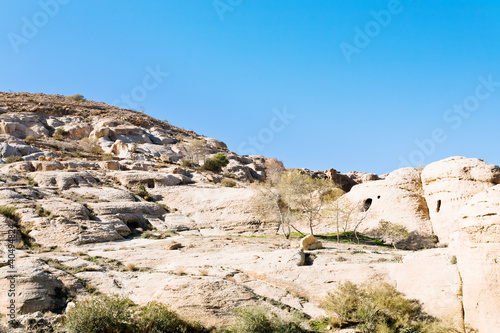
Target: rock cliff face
478,257
97,189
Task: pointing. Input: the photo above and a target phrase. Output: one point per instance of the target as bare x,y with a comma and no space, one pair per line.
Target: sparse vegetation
9,211
291,196
395,232
378,308
13,159
91,146
30,139
60,134
100,314
141,191
196,151
43,213
260,320
228,182
77,97
186,164
216,162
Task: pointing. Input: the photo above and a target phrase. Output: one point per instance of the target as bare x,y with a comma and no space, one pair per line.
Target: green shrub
99,315
228,182
9,211
113,314
216,162
143,192
259,320
77,97
158,318
13,158
43,213
378,309
60,134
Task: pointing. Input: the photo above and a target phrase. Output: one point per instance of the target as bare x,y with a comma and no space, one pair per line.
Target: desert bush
13,158
60,134
30,139
91,146
186,164
143,192
378,308
259,320
216,162
9,211
43,213
158,318
111,314
77,97
228,183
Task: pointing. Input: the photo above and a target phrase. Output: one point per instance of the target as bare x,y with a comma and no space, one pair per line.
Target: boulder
310,243
77,130
119,149
172,245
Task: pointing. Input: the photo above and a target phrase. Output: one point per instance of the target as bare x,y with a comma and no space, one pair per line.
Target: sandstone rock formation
81,219
477,247
449,184
397,199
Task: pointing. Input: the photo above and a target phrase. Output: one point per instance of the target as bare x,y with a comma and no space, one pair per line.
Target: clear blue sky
359,101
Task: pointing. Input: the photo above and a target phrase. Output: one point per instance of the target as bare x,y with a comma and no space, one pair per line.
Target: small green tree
216,162
307,194
395,232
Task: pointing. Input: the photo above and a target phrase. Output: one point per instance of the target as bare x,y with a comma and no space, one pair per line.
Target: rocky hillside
101,199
